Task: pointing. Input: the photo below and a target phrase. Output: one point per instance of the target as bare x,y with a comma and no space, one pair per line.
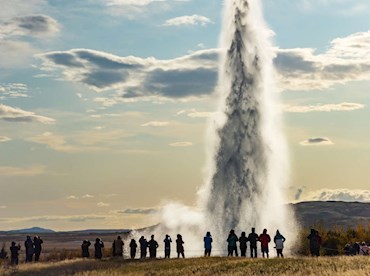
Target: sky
104,105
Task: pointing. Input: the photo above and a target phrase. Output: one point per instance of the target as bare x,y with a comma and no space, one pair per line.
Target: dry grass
200,266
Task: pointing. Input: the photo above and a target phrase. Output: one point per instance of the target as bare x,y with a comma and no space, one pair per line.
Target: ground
358,265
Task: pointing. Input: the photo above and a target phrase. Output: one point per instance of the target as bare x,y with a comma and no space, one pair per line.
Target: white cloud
323,107
317,142
25,171
4,139
102,204
32,25
15,53
87,196
181,144
12,114
193,113
13,90
338,195
53,141
155,124
188,20
13,8
72,197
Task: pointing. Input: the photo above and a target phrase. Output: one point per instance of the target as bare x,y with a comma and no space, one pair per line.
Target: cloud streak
323,107
191,20
11,114
25,171
338,195
317,142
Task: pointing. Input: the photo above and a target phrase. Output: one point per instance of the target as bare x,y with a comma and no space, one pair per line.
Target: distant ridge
32,230
332,213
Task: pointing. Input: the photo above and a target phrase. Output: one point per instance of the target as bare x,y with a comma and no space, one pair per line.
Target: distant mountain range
309,214
332,213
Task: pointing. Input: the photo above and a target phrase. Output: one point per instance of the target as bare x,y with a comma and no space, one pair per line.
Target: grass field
200,266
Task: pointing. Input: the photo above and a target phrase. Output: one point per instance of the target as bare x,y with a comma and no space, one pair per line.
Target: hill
32,230
332,213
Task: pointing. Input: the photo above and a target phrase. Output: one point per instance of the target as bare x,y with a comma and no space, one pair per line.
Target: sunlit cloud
188,20
193,113
139,211
13,90
155,124
11,114
347,195
323,107
23,171
72,197
317,142
4,139
181,144
102,204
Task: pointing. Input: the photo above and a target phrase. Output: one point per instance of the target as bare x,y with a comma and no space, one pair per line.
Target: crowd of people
33,246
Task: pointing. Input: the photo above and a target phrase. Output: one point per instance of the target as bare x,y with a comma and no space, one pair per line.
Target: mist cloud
323,107
338,195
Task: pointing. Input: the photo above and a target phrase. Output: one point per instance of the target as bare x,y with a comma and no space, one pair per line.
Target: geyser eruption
248,164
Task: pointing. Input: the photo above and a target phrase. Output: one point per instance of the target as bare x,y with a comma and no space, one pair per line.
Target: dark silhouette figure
314,239
265,238
133,246
279,240
207,244
99,245
243,244
118,247
37,241
3,254
356,248
28,244
253,239
167,246
143,247
231,243
348,250
85,249
14,253
180,246
153,245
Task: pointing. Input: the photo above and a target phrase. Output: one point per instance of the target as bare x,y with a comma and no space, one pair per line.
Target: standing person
279,240
231,243
313,237
133,246
207,244
264,238
85,249
364,251
143,247
37,241
99,245
153,245
14,253
28,244
243,244
167,246
118,247
180,246
253,239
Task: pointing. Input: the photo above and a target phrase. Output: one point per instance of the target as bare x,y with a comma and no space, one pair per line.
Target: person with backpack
28,244
37,241
207,244
143,247
180,246
265,239
231,243
279,240
85,249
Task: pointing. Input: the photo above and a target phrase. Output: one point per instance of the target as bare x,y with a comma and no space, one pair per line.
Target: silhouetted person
143,247
85,249
279,240
37,241
153,245
243,244
207,244
356,248
133,246
3,253
118,247
348,250
265,238
28,244
14,253
253,239
313,237
167,246
180,246
99,245
231,243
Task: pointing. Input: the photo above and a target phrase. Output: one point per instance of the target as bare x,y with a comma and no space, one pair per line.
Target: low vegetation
358,265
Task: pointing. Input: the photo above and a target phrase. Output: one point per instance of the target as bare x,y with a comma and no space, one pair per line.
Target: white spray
247,168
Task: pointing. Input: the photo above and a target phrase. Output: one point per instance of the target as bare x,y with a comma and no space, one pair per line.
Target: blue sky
104,104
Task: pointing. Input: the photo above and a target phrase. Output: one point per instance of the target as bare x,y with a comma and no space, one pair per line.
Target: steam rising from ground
247,167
